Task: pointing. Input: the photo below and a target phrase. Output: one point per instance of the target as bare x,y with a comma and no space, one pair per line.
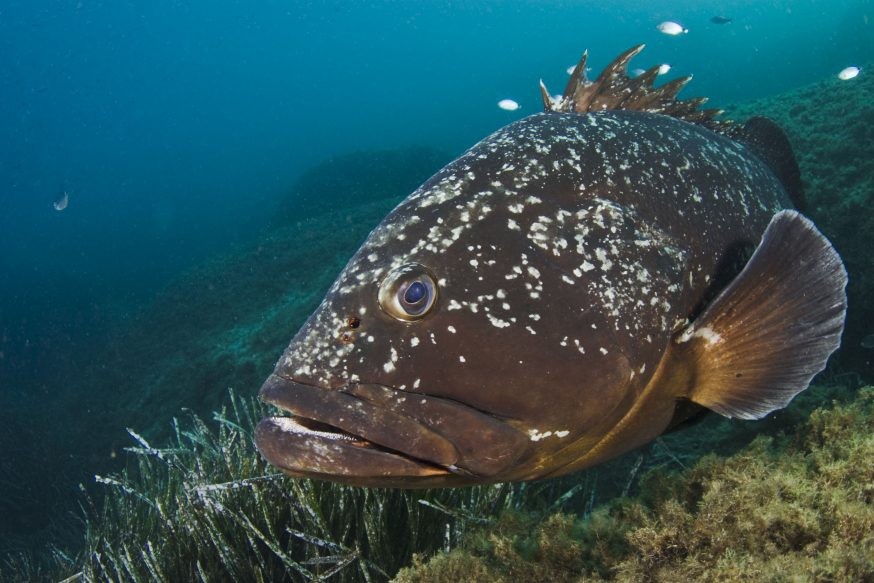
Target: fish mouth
373,435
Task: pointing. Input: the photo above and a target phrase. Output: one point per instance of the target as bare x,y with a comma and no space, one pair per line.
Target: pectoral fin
761,341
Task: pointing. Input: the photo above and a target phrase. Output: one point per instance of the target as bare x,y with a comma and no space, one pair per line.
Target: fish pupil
415,293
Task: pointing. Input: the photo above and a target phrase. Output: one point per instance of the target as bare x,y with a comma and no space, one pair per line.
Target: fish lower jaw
310,449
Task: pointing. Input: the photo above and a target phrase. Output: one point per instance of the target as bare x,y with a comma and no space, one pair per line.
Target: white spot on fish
601,254
706,332
536,435
497,322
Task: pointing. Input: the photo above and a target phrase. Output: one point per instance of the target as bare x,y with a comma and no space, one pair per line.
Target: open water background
177,128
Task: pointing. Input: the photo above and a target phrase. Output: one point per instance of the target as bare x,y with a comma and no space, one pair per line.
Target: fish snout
373,435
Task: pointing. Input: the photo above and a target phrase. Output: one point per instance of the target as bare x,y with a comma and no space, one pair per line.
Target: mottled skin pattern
569,249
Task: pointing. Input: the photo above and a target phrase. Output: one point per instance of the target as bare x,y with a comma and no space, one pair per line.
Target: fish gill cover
85,350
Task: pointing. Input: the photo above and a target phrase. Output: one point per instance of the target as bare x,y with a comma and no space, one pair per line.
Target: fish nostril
347,338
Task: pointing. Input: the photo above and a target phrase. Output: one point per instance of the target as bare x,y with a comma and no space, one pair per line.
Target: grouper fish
570,288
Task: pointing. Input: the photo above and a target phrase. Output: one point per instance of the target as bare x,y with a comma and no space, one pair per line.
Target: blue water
177,127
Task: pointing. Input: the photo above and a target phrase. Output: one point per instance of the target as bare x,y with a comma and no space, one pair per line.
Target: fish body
672,28
720,20
549,300
848,73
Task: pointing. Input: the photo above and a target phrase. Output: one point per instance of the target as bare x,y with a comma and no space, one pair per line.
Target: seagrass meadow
184,496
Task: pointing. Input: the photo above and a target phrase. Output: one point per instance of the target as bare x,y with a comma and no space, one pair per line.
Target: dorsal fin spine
614,89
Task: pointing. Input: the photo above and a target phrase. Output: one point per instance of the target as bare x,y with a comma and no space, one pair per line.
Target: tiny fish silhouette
62,201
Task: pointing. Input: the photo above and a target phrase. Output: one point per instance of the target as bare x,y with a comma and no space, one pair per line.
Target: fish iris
416,292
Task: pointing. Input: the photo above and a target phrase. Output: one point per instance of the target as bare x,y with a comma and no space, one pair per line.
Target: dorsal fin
614,89
768,142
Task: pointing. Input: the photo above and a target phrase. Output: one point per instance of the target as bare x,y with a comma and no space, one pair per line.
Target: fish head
451,350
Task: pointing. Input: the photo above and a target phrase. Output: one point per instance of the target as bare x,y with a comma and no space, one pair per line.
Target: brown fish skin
568,253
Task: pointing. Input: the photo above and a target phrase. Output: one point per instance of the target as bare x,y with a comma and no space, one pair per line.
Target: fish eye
408,293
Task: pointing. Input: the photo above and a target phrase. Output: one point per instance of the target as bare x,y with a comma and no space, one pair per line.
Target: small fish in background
849,73
867,341
508,105
720,20
664,69
672,28
62,201
637,72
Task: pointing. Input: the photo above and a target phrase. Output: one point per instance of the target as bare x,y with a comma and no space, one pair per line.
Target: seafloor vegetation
794,501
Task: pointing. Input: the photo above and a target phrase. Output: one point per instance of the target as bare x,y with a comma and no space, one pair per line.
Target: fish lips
373,435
